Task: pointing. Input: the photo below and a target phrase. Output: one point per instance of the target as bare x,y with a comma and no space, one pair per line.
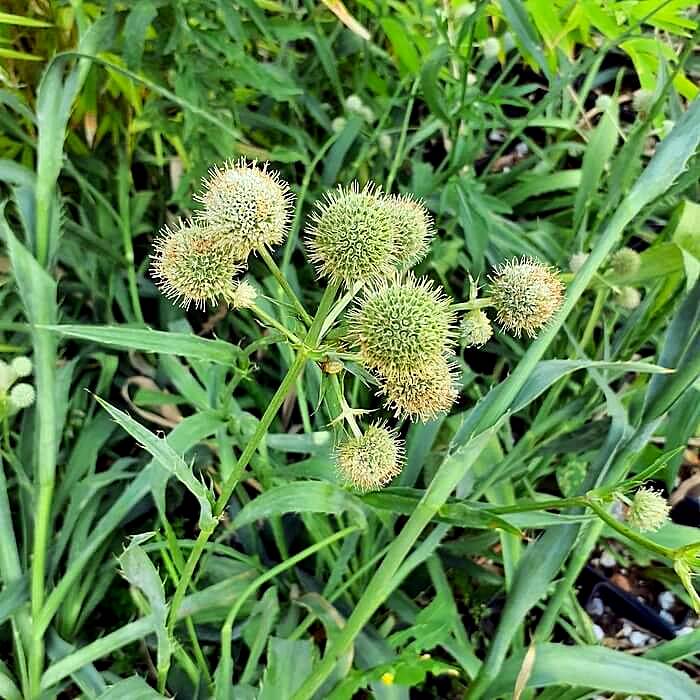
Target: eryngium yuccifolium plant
371,460
351,235
250,203
402,325
413,228
625,262
422,395
648,510
193,263
475,329
526,294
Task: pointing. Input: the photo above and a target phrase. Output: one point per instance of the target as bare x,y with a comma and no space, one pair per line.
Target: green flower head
628,298
351,236
249,203
648,511
413,228
625,262
21,366
526,294
577,261
476,329
422,395
193,263
371,460
21,396
402,325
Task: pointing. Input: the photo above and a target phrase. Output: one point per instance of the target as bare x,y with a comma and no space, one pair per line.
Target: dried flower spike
413,228
648,511
476,329
422,395
625,262
193,263
371,460
351,236
250,203
526,294
402,326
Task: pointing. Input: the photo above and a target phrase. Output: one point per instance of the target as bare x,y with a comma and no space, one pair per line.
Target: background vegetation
526,127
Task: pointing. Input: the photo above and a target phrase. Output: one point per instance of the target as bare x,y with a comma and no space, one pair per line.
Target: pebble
666,600
595,607
666,615
638,639
607,560
598,633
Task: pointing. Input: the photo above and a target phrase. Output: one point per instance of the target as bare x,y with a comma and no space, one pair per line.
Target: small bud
577,261
22,396
351,236
413,228
250,204
526,294
649,510
603,102
338,124
422,395
629,298
388,678
243,296
193,263
625,262
22,366
354,104
491,47
384,142
476,329
643,101
402,326
371,460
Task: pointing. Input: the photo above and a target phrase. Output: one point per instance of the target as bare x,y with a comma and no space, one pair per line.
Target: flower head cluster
193,263
371,460
357,235
526,294
249,204
648,511
15,396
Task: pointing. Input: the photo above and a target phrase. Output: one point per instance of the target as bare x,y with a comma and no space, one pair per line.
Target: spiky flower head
577,261
648,511
422,395
22,366
351,236
248,202
476,328
625,262
243,296
371,460
193,263
526,294
402,325
629,298
22,396
413,228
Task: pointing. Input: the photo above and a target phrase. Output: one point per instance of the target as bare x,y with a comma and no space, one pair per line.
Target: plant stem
398,157
284,284
274,323
471,305
247,454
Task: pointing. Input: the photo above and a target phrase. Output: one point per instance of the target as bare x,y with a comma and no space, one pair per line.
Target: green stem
274,323
598,304
471,305
398,156
247,454
284,284
125,226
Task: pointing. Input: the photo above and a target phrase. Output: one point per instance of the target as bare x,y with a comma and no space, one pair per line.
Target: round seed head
243,296
193,263
351,236
22,366
625,262
476,328
642,100
576,261
629,298
402,326
250,203
422,395
22,396
413,228
371,460
7,376
526,294
491,47
649,510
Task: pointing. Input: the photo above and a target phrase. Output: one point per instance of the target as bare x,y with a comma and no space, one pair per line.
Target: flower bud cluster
14,395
